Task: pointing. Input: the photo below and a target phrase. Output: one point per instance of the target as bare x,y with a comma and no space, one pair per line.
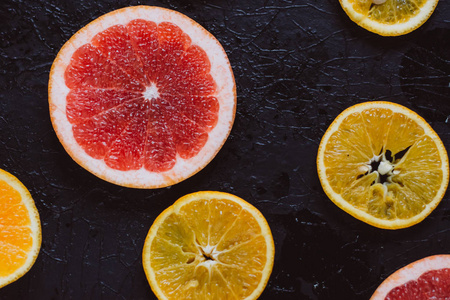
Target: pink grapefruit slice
427,278
142,97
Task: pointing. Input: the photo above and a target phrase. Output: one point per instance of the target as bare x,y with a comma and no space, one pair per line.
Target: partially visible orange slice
209,245
142,97
20,229
383,164
427,278
390,17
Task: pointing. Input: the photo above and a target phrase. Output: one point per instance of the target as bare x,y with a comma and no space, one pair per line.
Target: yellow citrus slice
20,229
209,245
142,97
389,18
383,164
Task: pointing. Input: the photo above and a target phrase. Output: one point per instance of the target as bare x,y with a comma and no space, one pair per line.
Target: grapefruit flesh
433,284
125,99
427,278
142,95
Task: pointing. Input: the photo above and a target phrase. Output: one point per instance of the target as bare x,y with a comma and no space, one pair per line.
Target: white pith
384,168
151,92
220,71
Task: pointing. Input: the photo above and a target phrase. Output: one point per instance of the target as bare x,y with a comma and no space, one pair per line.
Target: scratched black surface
297,65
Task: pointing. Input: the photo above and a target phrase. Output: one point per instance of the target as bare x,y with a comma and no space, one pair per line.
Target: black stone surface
297,64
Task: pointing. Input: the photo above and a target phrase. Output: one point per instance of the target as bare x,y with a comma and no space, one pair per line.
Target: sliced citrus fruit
142,97
209,245
389,17
383,164
20,229
427,278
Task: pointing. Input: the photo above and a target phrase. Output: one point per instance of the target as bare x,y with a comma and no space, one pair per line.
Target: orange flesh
220,255
362,137
390,12
15,234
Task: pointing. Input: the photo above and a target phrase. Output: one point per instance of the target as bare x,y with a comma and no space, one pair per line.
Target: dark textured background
297,64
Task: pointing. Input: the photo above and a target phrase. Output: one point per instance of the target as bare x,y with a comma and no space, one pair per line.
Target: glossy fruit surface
20,229
209,245
142,97
383,164
390,18
425,279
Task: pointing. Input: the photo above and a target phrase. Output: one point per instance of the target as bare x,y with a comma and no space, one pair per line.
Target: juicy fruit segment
427,278
15,242
395,11
19,230
141,94
209,246
390,12
384,163
142,97
391,17
433,284
362,142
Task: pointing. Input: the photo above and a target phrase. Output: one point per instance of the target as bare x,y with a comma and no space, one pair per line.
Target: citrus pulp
383,164
427,278
390,17
209,245
142,97
20,229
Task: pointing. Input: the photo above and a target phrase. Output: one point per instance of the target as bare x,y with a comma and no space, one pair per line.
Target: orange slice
427,278
390,17
142,97
383,164
20,229
209,245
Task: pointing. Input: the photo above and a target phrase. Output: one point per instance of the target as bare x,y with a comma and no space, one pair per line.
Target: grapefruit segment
114,43
84,104
127,150
191,75
96,134
193,106
142,97
144,38
160,148
90,69
188,136
172,42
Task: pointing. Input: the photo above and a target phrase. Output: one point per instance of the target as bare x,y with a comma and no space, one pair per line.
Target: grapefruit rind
209,195
220,70
35,226
390,29
411,272
359,214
